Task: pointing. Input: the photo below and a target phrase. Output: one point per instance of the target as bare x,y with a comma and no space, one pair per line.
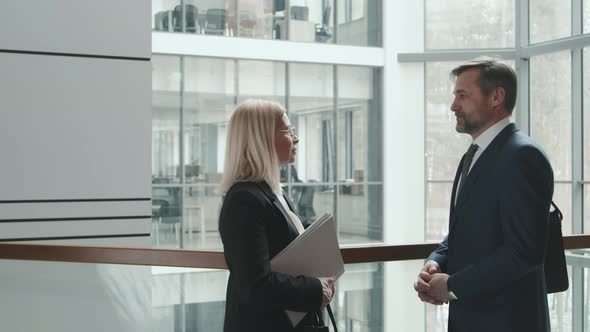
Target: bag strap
331,314
557,210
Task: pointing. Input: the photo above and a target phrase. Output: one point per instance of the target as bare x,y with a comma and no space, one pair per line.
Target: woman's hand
328,289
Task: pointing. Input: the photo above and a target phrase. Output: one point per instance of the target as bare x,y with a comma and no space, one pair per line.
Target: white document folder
314,253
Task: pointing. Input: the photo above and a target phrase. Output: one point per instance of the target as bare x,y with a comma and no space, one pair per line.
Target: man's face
471,107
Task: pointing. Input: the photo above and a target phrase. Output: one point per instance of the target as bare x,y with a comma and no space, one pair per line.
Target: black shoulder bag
555,265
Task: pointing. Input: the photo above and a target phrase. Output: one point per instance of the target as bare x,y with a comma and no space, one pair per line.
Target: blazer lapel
274,199
483,163
454,193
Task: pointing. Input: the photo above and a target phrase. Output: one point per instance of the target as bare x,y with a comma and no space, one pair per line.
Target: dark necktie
466,165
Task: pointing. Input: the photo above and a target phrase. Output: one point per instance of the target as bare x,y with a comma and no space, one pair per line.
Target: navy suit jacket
254,227
497,237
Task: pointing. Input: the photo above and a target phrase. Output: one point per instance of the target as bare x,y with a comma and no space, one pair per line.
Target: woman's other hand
328,289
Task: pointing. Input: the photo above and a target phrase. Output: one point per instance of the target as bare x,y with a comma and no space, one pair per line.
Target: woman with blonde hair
257,221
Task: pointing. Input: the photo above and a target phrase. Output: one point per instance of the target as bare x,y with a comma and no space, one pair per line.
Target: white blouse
294,218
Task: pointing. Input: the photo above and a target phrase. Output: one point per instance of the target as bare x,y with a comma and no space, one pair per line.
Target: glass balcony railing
79,288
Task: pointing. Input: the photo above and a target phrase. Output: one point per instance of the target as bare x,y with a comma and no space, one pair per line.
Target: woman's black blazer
254,227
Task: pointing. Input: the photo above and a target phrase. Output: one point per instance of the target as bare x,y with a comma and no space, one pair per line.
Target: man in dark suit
489,268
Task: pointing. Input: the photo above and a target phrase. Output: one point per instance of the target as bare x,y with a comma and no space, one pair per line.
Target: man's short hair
493,74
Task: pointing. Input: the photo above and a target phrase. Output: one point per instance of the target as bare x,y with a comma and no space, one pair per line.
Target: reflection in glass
551,109
359,22
460,24
208,100
358,125
201,217
586,22
311,201
360,211
438,200
549,19
166,216
311,110
166,103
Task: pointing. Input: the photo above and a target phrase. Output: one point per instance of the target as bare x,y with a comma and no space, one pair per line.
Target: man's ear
498,96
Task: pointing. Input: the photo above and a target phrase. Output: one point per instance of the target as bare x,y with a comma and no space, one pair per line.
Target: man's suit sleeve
524,213
439,255
245,241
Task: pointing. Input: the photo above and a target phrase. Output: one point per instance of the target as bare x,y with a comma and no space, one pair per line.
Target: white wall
75,127
403,137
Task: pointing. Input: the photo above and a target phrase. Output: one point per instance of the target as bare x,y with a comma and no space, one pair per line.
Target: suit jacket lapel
454,192
274,199
483,163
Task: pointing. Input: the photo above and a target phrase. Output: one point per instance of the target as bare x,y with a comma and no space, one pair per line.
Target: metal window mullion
287,19
183,17
577,164
335,142
335,22
181,148
456,55
425,136
522,64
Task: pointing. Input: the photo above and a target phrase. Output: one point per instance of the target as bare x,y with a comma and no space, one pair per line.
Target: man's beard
469,126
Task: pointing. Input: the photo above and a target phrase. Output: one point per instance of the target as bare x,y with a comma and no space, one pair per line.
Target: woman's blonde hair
250,152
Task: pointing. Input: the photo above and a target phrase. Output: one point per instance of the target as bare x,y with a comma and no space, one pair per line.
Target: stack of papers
314,253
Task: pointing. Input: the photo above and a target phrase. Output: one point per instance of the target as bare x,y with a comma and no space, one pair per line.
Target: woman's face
285,141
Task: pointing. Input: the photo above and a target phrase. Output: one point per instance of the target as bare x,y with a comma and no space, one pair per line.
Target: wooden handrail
214,259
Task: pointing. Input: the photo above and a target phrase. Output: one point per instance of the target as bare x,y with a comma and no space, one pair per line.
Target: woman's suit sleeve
245,239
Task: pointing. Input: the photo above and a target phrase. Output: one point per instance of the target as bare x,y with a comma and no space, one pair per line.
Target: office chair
162,20
305,204
190,14
322,32
215,21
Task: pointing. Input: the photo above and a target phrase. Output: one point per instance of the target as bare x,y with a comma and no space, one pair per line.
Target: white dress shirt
484,140
294,218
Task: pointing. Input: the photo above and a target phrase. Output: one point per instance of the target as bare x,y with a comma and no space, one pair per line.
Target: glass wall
551,122
461,24
338,166
549,19
193,300
355,22
455,26
441,159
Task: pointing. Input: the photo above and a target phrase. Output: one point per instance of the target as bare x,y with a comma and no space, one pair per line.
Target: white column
403,131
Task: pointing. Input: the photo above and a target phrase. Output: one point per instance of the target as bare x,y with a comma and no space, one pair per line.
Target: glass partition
358,21
198,95
466,24
369,297
549,19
